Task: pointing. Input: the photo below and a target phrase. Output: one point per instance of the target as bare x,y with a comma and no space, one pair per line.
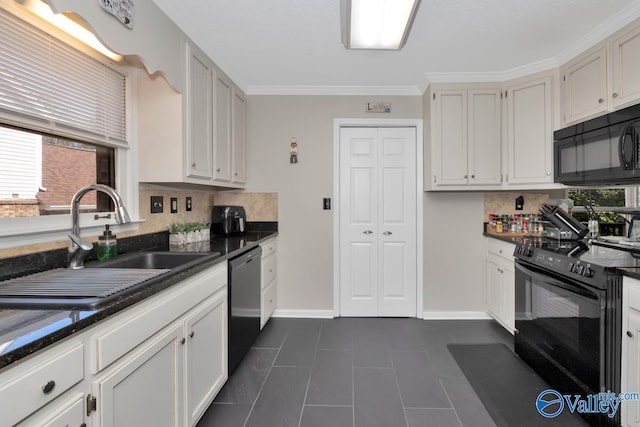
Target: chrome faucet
78,248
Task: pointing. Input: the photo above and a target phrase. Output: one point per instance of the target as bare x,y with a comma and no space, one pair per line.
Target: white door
378,221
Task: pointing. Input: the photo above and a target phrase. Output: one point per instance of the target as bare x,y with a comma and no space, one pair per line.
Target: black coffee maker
228,220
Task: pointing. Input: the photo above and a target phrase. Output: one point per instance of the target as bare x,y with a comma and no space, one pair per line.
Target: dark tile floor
356,372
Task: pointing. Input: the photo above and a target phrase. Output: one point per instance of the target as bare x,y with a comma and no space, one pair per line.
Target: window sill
25,232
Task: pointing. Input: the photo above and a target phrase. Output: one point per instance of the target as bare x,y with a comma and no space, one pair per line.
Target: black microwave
600,151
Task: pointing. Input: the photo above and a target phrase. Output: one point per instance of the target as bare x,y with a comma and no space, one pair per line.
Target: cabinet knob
270,270
218,170
367,232
48,387
236,174
183,340
629,334
615,95
387,233
193,165
600,101
192,334
466,176
548,173
473,176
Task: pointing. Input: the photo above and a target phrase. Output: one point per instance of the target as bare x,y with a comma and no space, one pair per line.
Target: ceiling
294,46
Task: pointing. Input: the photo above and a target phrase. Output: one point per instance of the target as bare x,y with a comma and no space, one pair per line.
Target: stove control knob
587,271
571,267
580,270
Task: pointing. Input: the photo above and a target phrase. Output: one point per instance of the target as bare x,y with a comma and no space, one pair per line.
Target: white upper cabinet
626,66
604,78
465,138
585,86
191,137
238,136
223,126
198,114
530,132
230,116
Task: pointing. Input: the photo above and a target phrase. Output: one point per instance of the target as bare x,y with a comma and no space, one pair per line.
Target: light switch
174,204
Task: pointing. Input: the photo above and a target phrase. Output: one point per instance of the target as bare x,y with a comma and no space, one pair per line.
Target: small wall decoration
123,10
293,153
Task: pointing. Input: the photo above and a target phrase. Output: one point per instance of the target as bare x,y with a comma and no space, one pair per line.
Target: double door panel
378,221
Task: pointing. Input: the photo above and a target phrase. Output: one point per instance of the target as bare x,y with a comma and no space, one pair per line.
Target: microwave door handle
624,161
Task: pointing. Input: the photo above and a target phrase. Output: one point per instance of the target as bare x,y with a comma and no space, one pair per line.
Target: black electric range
568,315
588,261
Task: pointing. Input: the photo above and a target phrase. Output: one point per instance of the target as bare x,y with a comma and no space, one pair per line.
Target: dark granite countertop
515,239
25,331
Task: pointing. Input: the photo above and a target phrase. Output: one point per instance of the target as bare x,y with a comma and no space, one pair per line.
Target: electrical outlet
174,205
157,204
189,206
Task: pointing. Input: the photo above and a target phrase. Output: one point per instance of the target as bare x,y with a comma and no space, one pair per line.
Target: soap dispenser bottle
107,245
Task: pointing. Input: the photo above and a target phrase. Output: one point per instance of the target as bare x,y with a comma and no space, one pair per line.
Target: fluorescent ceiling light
69,26
377,24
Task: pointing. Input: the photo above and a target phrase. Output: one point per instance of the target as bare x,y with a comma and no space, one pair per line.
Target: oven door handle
547,277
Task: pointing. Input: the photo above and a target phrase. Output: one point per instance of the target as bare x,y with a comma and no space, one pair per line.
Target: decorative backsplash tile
504,202
259,206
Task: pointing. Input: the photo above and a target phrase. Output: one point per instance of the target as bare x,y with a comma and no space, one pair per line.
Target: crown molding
335,90
601,32
492,76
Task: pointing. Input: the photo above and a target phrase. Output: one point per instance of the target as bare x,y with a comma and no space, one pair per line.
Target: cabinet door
626,63
509,296
530,132
631,413
222,95
199,114
449,129
206,355
495,298
484,140
238,133
145,389
585,86
269,297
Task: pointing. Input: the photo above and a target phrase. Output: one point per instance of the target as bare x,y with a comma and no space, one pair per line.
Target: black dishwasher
244,304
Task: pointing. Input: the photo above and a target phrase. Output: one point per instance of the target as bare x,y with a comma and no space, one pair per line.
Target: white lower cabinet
500,282
630,415
145,388
35,384
172,377
205,365
268,280
160,362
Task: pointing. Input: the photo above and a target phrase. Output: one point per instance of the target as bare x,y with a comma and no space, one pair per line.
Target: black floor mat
507,386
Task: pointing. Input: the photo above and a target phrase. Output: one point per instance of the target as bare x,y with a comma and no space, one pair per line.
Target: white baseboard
311,314
455,315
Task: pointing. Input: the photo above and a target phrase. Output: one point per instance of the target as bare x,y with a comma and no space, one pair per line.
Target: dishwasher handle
246,257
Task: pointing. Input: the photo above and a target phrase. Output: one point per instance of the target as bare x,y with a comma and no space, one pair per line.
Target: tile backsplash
504,202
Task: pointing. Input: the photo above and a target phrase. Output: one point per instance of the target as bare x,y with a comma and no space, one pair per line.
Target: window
63,124
40,173
611,198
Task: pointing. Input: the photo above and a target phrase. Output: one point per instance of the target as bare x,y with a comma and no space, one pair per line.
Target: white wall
305,248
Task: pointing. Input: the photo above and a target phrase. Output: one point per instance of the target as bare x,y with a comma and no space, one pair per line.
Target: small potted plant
190,232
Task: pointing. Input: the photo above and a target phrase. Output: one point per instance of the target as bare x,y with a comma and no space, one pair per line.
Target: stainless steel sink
68,288
91,287
151,260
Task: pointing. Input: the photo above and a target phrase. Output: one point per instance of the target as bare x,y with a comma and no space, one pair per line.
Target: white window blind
62,89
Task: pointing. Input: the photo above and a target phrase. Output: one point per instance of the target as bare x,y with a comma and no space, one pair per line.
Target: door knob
387,233
367,232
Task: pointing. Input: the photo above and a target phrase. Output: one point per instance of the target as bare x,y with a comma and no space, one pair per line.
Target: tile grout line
306,391
264,381
450,401
395,375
